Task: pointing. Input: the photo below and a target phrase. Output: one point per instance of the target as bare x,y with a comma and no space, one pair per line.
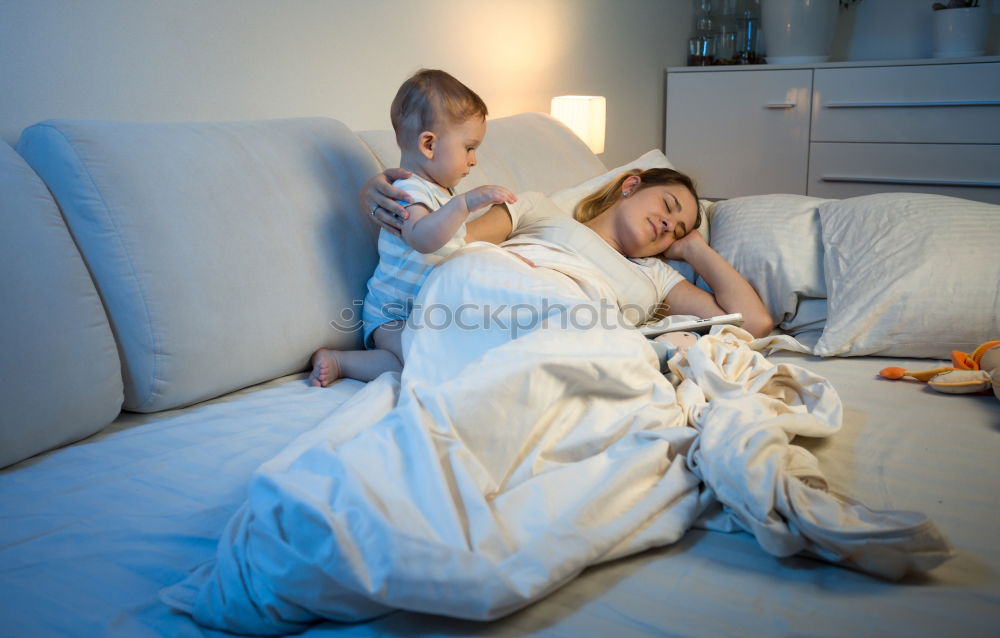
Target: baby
439,124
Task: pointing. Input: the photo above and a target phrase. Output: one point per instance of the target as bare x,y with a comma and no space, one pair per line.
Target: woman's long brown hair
604,198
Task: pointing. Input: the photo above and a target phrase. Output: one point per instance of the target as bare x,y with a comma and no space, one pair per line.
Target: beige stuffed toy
976,372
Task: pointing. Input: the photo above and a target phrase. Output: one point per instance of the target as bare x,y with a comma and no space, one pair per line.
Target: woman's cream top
551,238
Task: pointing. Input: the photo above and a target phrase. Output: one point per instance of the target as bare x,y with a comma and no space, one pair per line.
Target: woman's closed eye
673,210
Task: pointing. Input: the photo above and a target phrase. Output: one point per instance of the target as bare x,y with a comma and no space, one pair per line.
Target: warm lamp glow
584,114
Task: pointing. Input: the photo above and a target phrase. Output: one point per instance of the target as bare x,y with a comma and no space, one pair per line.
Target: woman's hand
685,246
379,197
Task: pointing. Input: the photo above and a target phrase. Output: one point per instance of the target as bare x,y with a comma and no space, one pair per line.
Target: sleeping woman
626,230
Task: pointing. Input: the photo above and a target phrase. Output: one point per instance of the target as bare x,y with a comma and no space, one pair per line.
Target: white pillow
811,315
568,198
910,275
774,241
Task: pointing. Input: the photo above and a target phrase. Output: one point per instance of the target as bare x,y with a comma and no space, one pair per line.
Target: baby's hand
486,195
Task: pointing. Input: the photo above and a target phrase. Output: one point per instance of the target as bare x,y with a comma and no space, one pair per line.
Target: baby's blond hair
431,98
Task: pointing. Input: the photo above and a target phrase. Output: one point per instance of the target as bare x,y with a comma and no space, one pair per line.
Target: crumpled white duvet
527,439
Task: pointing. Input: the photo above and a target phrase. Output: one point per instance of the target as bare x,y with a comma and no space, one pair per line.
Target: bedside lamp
584,114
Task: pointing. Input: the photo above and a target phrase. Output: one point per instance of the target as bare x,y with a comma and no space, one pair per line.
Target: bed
95,530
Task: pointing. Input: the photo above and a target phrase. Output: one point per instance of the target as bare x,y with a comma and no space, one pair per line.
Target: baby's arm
427,232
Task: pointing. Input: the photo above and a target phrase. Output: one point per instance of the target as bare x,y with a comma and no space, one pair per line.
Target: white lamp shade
584,114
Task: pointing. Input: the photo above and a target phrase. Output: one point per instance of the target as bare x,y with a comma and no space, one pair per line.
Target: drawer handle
876,105
782,105
915,181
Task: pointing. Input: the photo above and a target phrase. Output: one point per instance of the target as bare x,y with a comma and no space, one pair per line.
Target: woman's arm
732,293
494,225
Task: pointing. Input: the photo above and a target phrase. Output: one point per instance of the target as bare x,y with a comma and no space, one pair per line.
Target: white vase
960,33
798,31
888,29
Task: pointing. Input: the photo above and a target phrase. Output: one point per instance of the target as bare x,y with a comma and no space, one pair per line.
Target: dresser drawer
948,103
740,132
840,170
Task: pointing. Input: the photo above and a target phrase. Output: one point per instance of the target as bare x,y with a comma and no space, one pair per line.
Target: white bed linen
901,446
510,464
72,563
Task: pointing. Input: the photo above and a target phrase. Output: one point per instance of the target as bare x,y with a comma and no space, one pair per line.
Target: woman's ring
376,207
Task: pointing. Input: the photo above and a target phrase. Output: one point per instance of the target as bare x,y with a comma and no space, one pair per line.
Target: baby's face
651,219
455,151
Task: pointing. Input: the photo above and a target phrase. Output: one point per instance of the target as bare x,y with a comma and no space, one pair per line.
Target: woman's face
650,219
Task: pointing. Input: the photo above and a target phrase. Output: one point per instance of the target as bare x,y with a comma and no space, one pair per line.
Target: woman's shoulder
651,263
534,209
655,265
663,275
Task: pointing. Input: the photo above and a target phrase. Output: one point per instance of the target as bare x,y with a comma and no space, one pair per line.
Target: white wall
250,59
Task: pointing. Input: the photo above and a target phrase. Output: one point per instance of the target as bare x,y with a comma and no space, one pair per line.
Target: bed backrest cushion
61,376
524,152
223,251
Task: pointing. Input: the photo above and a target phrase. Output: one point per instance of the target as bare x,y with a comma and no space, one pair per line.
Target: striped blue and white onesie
401,270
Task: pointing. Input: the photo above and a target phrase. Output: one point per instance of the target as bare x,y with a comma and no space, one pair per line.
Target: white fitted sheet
72,563
89,533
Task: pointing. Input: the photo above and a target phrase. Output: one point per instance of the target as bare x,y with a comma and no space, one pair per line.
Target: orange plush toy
976,372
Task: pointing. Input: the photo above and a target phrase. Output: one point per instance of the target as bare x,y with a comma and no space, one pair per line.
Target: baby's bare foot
326,368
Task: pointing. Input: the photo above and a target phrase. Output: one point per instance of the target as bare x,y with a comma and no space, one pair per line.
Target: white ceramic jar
798,31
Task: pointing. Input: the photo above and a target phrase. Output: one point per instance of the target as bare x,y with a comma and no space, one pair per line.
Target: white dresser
838,129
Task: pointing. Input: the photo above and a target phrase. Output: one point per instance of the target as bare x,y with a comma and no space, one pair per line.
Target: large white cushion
524,152
223,251
540,152
61,376
773,241
910,275
568,198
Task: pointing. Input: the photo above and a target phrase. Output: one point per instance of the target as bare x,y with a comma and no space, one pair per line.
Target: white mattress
71,563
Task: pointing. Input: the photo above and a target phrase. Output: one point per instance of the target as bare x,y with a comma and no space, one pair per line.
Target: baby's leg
363,365
389,337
